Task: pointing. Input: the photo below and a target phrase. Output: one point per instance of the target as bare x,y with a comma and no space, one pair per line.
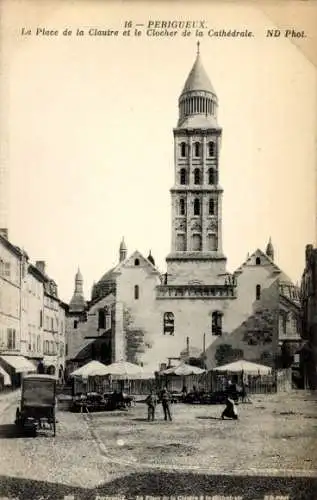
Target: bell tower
196,247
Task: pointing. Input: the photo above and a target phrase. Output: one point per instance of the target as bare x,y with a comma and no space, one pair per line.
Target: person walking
165,398
151,402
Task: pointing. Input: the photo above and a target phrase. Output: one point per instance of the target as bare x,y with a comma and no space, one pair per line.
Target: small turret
150,258
270,250
122,251
78,302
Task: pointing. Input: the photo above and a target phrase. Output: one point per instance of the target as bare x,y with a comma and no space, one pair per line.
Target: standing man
151,401
165,398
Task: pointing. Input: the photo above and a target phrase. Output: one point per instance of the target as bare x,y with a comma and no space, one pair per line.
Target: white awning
6,376
19,363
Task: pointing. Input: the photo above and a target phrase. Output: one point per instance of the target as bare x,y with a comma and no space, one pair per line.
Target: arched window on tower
212,242
183,176
196,242
197,149
196,206
183,149
136,292
216,324
211,207
196,176
182,210
211,176
180,242
258,292
211,148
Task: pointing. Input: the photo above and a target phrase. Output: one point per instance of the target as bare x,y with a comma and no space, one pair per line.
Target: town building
31,314
309,325
197,303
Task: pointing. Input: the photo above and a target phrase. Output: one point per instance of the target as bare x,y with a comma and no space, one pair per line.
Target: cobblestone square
270,450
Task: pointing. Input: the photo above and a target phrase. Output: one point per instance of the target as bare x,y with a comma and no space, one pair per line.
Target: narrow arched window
182,206
136,292
196,206
211,149
75,323
136,262
258,261
196,176
183,176
258,292
168,323
183,149
211,176
197,148
216,324
211,206
196,242
180,243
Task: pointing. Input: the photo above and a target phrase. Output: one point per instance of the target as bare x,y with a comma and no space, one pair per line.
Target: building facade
309,325
10,295
31,315
197,304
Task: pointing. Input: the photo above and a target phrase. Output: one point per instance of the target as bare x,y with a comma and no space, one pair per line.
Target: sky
87,134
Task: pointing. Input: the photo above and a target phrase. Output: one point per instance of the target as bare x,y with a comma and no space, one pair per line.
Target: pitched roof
112,273
266,258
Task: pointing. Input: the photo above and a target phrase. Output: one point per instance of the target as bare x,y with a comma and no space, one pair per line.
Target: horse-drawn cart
38,403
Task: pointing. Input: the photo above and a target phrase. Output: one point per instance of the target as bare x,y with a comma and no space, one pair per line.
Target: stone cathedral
145,316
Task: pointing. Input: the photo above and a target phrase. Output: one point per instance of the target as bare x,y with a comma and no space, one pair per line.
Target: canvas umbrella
244,366
124,370
183,370
91,369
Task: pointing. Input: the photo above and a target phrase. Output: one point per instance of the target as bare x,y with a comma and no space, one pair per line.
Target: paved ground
269,451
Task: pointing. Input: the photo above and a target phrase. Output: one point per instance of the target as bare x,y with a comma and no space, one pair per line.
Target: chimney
40,264
4,232
187,345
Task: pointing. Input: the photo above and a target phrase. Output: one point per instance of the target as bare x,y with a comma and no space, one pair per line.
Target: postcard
158,250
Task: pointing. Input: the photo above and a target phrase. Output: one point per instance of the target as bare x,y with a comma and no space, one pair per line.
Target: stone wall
88,328
257,335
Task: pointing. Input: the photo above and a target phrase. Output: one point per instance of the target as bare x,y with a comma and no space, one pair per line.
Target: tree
225,353
197,362
135,338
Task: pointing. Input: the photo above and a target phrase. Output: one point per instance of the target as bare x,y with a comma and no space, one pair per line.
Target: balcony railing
195,291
